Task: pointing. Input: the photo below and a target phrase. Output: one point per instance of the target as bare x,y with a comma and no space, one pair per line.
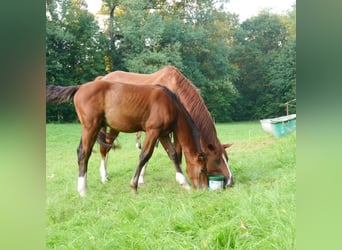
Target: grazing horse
189,95
130,108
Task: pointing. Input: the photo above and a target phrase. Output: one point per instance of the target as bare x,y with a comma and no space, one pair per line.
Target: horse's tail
60,94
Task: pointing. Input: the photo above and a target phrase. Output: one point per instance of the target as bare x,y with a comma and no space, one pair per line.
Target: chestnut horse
131,108
189,95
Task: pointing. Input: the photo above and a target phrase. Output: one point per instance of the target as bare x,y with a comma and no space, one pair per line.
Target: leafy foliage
74,50
265,60
244,71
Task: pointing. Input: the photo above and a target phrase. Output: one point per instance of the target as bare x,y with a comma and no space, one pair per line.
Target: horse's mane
194,128
192,100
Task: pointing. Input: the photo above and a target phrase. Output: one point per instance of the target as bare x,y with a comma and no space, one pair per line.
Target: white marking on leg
182,181
103,169
229,182
81,186
141,176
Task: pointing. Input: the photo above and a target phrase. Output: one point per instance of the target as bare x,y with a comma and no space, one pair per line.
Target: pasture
257,213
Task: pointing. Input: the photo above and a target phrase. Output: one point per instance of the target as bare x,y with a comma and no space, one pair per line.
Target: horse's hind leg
142,173
138,140
173,155
104,158
83,153
110,137
81,185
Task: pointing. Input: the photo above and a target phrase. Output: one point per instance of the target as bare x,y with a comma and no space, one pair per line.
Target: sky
248,8
244,8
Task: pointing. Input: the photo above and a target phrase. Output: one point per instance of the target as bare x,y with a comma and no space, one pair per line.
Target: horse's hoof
104,180
186,187
141,181
82,193
134,185
182,181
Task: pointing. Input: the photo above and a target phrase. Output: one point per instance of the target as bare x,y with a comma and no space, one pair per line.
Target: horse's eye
203,170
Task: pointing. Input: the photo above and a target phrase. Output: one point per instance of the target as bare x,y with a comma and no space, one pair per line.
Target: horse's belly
124,123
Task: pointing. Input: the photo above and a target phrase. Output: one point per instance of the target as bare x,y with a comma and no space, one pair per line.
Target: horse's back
91,91
165,76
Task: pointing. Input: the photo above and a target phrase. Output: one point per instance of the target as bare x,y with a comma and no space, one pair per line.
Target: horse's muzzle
229,181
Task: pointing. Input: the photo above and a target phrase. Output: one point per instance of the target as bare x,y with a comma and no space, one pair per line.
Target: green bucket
216,182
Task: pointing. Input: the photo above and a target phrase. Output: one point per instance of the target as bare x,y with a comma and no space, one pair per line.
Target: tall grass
257,213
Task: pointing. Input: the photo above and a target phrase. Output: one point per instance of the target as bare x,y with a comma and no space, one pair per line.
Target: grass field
257,213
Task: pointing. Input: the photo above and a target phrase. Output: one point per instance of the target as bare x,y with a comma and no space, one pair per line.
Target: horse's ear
227,145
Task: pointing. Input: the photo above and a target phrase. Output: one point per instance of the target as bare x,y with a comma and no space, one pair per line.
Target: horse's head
197,171
217,163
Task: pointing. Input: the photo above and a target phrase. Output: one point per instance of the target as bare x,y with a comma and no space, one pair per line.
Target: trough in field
279,126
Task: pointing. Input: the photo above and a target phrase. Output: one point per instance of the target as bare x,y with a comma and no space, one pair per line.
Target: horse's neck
200,114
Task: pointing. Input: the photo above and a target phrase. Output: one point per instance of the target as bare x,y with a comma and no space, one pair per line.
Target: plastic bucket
216,182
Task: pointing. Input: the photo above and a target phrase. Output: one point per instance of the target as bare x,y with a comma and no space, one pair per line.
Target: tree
244,71
219,95
193,36
74,50
256,43
282,70
141,28
205,47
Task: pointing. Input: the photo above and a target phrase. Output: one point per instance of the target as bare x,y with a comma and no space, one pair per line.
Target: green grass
257,213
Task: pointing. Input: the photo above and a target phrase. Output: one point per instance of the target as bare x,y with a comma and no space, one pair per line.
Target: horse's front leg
138,145
179,175
145,155
141,176
174,156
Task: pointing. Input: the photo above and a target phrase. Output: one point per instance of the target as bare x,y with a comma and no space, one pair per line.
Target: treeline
244,71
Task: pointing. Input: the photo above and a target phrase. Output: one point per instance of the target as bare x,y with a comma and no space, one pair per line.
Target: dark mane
194,129
191,98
